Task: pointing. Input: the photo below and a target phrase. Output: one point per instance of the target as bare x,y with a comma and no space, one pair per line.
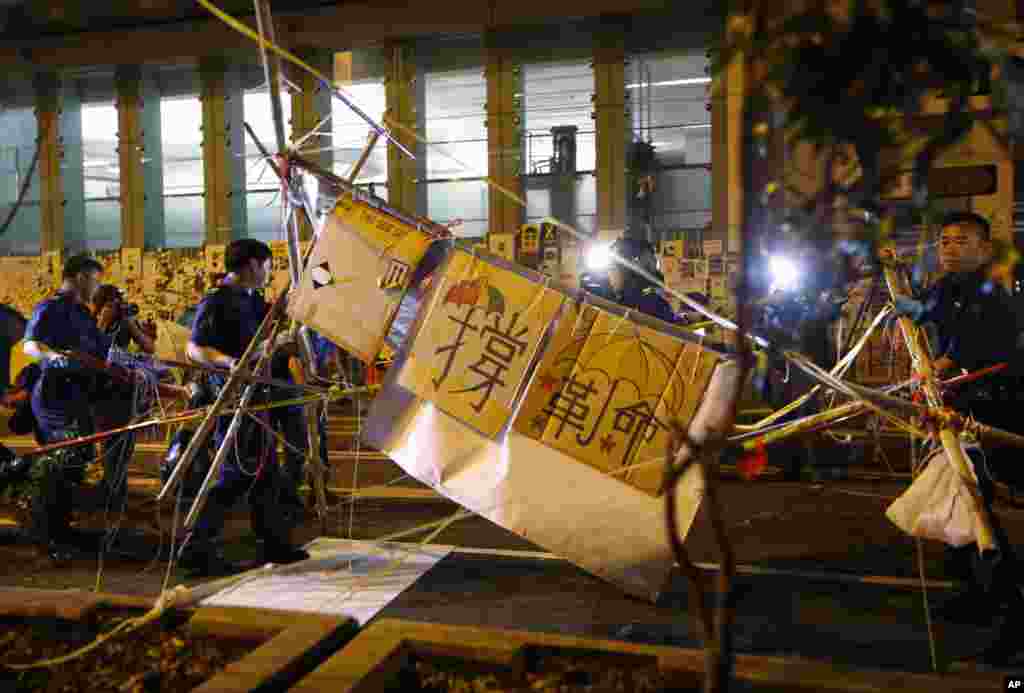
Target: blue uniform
227,319
648,300
60,398
976,327
61,406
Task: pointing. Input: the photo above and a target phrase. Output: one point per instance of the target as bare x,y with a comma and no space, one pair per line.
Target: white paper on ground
593,520
365,577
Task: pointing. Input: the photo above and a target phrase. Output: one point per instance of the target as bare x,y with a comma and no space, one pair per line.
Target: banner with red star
608,387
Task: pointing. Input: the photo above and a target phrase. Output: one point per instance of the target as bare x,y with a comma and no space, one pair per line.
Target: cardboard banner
479,331
357,273
608,387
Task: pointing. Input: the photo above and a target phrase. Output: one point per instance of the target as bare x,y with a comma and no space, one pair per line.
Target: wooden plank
287,657
381,649
70,605
247,624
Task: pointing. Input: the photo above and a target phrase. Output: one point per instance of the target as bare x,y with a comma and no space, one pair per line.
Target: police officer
61,396
976,327
226,321
632,290
115,400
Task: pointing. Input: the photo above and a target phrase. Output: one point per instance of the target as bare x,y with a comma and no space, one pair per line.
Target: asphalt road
812,555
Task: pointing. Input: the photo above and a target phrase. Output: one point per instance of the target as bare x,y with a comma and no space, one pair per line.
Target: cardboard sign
503,245
279,253
356,275
529,240
712,248
482,326
607,389
591,518
676,249
214,258
131,263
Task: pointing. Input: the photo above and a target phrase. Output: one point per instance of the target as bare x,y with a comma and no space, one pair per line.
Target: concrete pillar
216,164
154,227
51,197
72,167
727,155
405,111
234,114
611,129
128,79
504,135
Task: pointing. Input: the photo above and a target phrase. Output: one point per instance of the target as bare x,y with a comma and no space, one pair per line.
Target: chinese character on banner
356,276
607,390
481,330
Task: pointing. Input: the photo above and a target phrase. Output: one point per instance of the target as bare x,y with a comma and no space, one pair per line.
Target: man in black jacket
976,328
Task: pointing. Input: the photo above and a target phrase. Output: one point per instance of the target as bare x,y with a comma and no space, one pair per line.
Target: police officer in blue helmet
627,287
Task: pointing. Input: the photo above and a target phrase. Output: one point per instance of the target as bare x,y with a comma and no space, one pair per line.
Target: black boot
281,553
13,471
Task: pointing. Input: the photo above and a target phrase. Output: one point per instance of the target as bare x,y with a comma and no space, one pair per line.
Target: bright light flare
785,273
599,257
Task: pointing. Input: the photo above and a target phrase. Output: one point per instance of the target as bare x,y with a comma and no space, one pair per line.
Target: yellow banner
382,231
356,276
607,390
481,329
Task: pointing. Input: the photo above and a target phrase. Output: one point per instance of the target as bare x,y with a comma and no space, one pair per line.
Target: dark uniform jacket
62,394
977,327
974,318
227,319
649,300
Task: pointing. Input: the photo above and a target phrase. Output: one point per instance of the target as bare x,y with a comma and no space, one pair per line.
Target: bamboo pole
354,173
193,415
917,346
228,391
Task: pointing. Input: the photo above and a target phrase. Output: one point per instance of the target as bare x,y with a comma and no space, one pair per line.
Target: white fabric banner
594,520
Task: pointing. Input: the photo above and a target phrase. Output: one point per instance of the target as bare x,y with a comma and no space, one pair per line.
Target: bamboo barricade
194,414
948,436
310,412
228,391
749,440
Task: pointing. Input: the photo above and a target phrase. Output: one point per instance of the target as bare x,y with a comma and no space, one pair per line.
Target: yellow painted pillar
130,152
51,195
504,137
611,129
310,106
216,170
401,116
735,91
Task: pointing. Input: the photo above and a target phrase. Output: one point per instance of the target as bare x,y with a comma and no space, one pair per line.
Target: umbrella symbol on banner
321,276
468,293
